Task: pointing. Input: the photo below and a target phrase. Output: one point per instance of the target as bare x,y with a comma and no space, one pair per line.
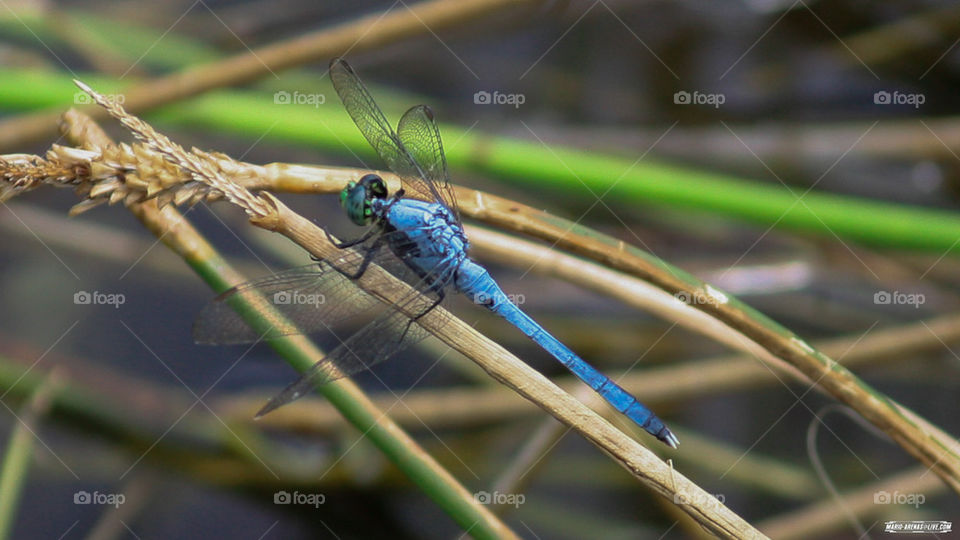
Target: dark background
601,76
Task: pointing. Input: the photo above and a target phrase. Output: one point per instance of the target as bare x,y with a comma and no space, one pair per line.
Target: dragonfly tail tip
265,410
670,439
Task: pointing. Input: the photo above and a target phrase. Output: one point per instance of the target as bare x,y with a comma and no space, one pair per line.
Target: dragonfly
416,235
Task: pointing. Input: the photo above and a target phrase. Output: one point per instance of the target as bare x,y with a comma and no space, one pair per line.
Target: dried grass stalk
118,173
199,165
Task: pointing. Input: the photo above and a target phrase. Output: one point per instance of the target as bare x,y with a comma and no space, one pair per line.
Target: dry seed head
130,174
23,172
122,173
197,163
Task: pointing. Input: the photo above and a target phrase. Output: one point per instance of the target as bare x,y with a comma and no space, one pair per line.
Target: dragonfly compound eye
355,199
376,187
345,193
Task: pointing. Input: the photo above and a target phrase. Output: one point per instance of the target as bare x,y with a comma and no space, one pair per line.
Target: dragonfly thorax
358,198
427,238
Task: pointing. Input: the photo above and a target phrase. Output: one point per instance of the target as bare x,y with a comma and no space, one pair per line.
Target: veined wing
420,135
391,332
376,129
309,298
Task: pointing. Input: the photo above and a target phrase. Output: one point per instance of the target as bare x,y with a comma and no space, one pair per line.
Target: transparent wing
420,135
309,299
376,129
379,340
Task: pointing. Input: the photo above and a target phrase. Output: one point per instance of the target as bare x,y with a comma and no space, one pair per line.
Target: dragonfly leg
438,286
350,243
440,296
365,263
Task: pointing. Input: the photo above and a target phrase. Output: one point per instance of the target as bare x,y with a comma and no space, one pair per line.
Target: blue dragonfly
419,240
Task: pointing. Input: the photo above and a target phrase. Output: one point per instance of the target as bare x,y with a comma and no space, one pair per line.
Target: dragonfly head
357,198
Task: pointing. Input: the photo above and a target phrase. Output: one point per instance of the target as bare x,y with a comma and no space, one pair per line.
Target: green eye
357,198
346,193
379,188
